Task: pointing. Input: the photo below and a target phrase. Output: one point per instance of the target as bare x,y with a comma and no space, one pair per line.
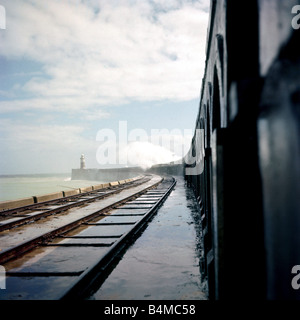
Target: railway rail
61,254
23,214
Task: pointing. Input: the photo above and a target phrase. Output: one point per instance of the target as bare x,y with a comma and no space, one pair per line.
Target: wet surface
30,288
13,237
61,260
66,257
164,262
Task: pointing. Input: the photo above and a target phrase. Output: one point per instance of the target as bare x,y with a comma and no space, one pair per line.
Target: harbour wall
106,174
126,172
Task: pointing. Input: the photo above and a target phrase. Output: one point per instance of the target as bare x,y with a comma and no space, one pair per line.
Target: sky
116,80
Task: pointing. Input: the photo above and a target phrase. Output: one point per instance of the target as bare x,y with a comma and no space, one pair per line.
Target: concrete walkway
164,262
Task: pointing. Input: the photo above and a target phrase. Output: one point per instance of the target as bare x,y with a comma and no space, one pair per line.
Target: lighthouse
82,162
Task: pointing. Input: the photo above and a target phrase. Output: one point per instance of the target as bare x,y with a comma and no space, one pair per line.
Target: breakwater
126,172
106,174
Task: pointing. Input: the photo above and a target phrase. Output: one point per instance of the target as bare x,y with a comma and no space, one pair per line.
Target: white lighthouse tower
82,162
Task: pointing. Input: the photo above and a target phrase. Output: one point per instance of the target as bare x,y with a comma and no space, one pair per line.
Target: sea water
21,186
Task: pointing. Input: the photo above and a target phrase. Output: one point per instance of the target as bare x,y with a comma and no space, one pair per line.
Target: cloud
147,154
109,52
86,107
56,137
43,148
57,147
137,148
74,60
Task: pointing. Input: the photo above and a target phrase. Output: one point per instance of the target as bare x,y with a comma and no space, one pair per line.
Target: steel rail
73,197
12,253
92,274
80,201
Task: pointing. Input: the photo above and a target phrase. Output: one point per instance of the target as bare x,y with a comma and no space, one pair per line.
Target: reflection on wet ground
163,263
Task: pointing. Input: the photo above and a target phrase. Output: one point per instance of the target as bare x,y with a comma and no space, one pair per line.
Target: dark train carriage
244,161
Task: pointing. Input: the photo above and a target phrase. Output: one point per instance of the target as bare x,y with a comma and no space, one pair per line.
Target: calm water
21,186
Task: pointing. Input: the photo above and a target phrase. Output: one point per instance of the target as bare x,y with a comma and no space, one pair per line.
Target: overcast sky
71,68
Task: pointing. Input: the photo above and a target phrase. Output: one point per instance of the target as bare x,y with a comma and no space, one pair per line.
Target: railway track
11,218
62,254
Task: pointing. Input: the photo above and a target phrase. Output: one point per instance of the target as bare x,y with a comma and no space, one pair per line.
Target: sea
21,186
